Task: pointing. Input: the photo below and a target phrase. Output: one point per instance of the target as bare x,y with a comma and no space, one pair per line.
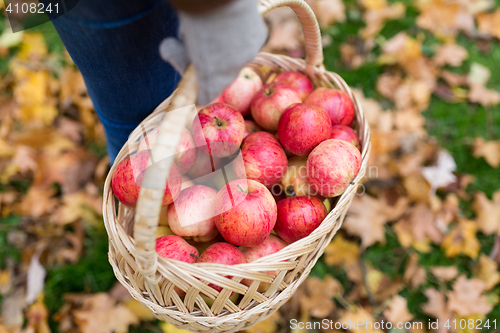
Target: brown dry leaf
381,286
100,313
444,273
454,79
387,84
71,169
376,16
351,56
436,307
12,310
361,314
489,23
319,300
489,150
450,54
37,316
446,211
444,18
416,187
410,121
78,205
418,228
466,298
328,12
367,217
482,95
462,240
38,201
487,212
407,53
415,274
486,270
397,312
341,252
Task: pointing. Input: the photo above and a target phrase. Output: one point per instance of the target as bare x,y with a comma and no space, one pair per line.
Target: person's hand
219,43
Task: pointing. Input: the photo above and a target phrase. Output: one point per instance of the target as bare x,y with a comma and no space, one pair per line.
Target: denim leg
114,43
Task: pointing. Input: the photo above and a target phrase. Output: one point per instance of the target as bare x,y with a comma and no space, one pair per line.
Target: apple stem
218,122
290,191
194,255
241,189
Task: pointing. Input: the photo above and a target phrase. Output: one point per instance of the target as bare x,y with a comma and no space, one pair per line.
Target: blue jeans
114,43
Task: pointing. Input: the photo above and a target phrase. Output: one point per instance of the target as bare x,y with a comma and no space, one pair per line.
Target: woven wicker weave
152,279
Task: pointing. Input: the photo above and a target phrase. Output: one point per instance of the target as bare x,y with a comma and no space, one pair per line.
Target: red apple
294,181
241,92
298,217
175,247
332,166
218,130
302,127
203,166
246,212
186,151
270,102
128,175
222,253
250,127
271,245
345,133
296,80
192,214
264,159
336,103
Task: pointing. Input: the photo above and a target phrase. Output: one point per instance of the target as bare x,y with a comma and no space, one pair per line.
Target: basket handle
312,34
170,130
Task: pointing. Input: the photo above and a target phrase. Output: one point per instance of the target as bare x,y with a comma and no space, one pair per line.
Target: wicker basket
153,280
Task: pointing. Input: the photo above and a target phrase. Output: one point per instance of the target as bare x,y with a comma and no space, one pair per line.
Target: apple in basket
336,103
302,127
242,90
222,253
245,212
271,245
264,159
294,181
270,102
192,214
218,130
203,166
332,166
298,217
345,133
129,173
176,247
296,80
250,127
186,151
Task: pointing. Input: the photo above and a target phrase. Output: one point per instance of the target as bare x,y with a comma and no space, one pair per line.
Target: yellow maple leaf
169,328
487,212
32,47
140,310
487,270
361,316
341,252
462,240
489,23
489,150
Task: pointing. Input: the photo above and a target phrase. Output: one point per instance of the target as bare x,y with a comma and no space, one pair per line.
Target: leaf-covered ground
420,243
